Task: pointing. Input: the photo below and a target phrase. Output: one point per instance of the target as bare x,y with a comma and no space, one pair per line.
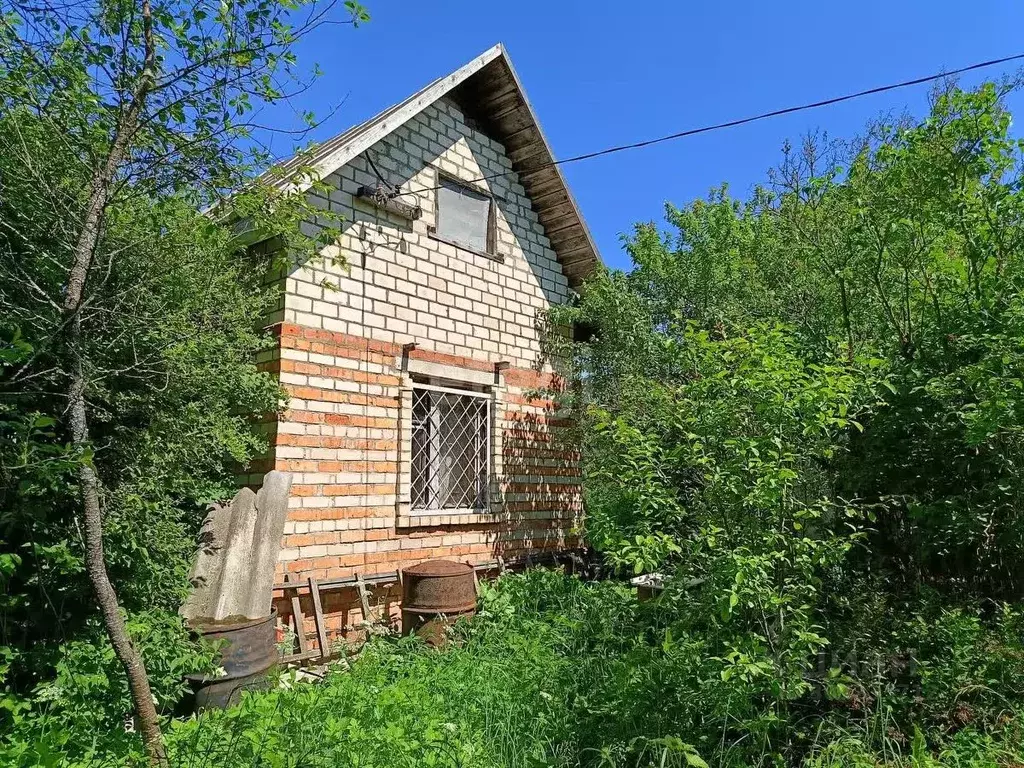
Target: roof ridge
565,227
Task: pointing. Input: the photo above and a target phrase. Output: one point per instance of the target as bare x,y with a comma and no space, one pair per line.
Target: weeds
556,672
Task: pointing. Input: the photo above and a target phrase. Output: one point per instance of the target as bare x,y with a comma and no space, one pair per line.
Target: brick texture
342,359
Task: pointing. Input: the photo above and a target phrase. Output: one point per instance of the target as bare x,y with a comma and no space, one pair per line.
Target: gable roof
489,92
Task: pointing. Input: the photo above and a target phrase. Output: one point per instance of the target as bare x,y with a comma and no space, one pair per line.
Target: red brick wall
341,439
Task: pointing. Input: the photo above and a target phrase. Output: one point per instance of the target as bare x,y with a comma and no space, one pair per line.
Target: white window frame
488,414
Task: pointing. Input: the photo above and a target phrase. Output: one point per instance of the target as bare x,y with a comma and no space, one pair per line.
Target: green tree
120,123
905,246
805,407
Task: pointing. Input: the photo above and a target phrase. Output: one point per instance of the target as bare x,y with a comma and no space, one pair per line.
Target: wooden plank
514,118
364,599
569,257
297,657
580,272
544,174
538,164
297,618
350,581
542,189
567,235
500,102
530,155
561,226
554,196
539,174
496,78
318,617
489,80
562,209
381,197
523,137
568,244
579,269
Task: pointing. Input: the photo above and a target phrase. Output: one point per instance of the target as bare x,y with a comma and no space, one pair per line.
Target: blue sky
602,73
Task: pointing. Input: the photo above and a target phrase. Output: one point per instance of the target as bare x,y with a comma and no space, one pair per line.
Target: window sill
492,256
437,518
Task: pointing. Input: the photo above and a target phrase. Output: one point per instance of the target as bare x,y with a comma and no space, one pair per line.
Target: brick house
415,429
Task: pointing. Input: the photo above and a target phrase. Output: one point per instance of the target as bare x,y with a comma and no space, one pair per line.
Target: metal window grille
450,448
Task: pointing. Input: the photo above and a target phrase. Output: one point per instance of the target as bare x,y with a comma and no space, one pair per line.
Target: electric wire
728,124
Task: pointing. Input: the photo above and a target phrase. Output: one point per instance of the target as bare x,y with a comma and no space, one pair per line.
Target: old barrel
434,595
248,651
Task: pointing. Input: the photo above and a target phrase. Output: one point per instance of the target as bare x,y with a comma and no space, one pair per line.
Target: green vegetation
130,329
806,409
556,672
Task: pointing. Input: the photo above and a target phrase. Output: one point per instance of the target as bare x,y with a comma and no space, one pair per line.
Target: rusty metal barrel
435,594
247,652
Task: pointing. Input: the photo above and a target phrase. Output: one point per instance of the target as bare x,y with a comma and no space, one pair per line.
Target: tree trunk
95,564
88,481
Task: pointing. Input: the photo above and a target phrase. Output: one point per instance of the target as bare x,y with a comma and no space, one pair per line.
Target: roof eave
570,238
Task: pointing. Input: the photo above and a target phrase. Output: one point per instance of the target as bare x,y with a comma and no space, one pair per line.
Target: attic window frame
492,220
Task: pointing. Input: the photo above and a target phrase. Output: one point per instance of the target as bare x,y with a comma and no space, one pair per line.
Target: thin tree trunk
88,481
96,566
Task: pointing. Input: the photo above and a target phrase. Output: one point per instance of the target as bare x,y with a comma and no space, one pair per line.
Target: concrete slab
272,511
235,582
209,562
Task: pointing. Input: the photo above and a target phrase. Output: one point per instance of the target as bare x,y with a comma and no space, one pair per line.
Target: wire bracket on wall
381,196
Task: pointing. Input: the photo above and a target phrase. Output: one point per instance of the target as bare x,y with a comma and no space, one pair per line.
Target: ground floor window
450,448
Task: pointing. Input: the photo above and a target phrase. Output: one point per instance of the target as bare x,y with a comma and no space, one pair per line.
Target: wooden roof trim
498,93
357,140
568,241
596,258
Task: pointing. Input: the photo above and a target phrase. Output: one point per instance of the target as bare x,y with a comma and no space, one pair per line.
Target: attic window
465,216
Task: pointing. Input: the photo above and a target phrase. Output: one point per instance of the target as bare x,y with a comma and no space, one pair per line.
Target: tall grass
565,674
555,672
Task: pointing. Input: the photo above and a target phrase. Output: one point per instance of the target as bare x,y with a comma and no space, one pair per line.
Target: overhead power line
745,120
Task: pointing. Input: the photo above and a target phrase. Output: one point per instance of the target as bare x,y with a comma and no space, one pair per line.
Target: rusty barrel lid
439,568
438,586
204,626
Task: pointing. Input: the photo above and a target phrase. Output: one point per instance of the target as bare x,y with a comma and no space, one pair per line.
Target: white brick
411,288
